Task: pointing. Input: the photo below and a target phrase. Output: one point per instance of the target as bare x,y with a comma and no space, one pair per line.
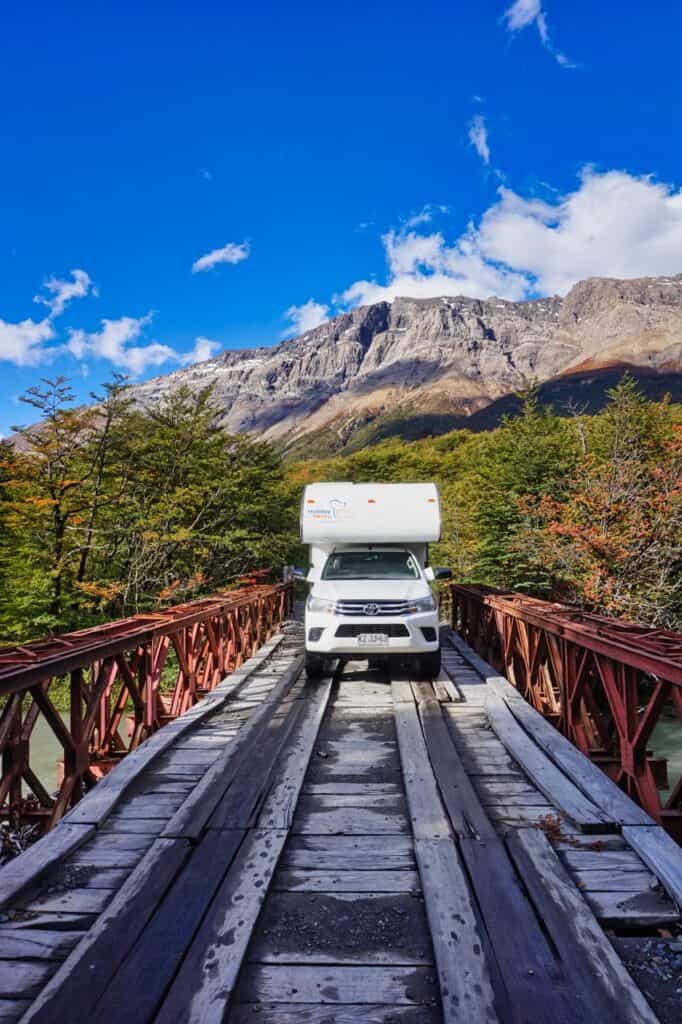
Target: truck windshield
371,565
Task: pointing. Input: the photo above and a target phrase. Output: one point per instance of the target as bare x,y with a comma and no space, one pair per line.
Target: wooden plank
445,690
12,1009
612,880
502,800
590,961
20,979
603,860
426,810
351,788
401,692
73,991
359,853
463,806
239,806
332,801
149,965
36,943
595,783
280,804
191,818
578,841
119,824
295,880
544,773
103,798
522,816
332,985
18,874
73,901
465,982
661,854
487,788
632,910
360,1013
204,983
346,821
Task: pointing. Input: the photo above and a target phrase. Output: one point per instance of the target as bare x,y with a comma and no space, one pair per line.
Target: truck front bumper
347,634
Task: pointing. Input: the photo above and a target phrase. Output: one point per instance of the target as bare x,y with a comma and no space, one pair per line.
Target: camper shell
369,574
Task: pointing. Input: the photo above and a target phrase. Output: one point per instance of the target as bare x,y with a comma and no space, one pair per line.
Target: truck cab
370,593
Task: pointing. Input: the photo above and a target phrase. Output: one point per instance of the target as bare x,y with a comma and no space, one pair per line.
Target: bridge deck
358,849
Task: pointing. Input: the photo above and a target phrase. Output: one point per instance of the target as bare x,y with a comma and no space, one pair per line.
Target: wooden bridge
365,848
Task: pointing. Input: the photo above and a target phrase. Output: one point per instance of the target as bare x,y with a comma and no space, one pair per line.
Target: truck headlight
320,604
423,604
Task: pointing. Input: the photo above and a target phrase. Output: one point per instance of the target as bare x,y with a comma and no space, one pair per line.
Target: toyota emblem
371,609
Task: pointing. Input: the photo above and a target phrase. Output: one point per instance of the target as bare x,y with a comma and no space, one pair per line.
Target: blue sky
184,178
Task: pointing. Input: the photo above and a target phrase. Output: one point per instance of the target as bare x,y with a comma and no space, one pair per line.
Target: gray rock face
450,354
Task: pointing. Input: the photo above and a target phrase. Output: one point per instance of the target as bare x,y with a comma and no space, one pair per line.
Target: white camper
369,571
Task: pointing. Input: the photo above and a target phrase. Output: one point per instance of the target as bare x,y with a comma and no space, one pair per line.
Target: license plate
372,638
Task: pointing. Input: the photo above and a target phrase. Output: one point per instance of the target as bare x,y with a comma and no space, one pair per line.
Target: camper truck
370,593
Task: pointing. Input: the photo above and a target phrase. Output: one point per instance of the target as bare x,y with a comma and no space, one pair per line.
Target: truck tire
314,665
429,664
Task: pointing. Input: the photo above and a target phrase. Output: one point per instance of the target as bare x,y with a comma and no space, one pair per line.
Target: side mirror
313,575
299,574
443,574
429,574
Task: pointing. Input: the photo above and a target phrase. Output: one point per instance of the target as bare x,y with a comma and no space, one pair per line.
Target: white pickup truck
370,579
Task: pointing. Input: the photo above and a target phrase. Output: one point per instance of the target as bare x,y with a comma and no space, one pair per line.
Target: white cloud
612,225
24,343
304,318
63,292
523,13
112,342
203,349
478,137
233,252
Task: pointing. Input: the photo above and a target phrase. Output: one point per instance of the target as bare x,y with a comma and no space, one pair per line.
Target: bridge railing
120,682
606,684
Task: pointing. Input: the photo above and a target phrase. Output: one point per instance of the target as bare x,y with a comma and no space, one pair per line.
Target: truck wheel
314,665
429,664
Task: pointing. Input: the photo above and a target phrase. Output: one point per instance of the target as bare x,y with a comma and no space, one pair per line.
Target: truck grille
373,608
351,629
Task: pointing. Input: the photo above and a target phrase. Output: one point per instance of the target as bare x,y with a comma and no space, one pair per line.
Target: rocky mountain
420,366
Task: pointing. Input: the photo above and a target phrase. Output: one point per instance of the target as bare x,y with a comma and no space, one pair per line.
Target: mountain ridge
450,356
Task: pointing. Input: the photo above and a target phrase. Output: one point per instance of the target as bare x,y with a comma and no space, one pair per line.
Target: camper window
371,565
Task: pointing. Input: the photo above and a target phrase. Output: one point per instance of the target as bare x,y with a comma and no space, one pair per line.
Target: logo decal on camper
330,511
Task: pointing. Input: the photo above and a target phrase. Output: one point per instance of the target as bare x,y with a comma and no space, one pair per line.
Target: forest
111,509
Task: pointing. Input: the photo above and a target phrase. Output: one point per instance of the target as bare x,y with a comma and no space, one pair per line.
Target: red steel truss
118,691
603,682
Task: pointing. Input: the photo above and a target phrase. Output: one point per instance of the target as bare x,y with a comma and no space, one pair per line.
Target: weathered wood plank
148,968
359,853
632,910
589,958
351,788
26,870
12,1009
280,804
20,979
36,943
73,901
503,800
191,818
73,991
295,880
401,692
360,1013
309,820
544,773
103,798
465,981
203,986
595,783
427,815
661,854
602,860
461,802
612,880
332,985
